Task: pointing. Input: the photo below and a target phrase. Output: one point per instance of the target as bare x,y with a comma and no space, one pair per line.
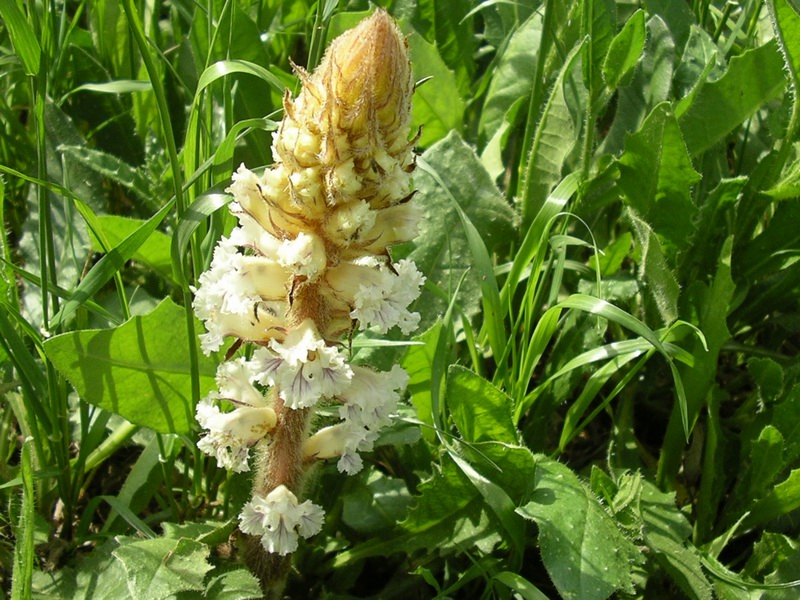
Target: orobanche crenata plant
308,263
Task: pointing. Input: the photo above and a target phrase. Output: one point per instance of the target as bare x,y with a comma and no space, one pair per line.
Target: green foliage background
605,391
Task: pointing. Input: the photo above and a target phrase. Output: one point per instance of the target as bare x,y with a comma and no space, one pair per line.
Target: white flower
303,367
372,396
385,304
305,255
235,285
231,434
279,518
368,402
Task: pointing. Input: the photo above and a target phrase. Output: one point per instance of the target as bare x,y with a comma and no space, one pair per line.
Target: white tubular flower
368,403
279,519
372,397
230,435
303,367
386,304
305,255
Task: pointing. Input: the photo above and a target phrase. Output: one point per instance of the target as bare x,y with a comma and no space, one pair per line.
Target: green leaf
139,370
211,533
118,86
651,84
375,506
24,553
752,78
442,251
228,67
418,363
786,22
585,554
111,167
22,35
154,252
556,135
520,585
480,410
232,585
624,51
513,75
109,265
98,576
711,305
446,510
656,175
161,567
665,532
482,265
599,23
448,25
783,499
662,284
437,106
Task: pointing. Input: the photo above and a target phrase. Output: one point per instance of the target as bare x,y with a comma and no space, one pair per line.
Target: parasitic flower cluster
307,264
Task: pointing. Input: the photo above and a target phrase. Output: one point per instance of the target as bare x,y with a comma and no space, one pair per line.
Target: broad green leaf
677,16
448,25
665,532
231,585
139,370
752,78
556,135
481,411
654,269
585,554
22,35
211,533
98,576
447,509
599,23
418,363
786,22
496,498
656,175
513,75
768,553
437,106
651,84
108,266
701,60
766,461
111,167
154,252
612,256
442,249
624,51
711,305
161,567
482,266
375,506
783,499
787,420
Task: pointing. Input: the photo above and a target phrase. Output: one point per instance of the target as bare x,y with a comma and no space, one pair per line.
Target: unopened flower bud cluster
308,263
